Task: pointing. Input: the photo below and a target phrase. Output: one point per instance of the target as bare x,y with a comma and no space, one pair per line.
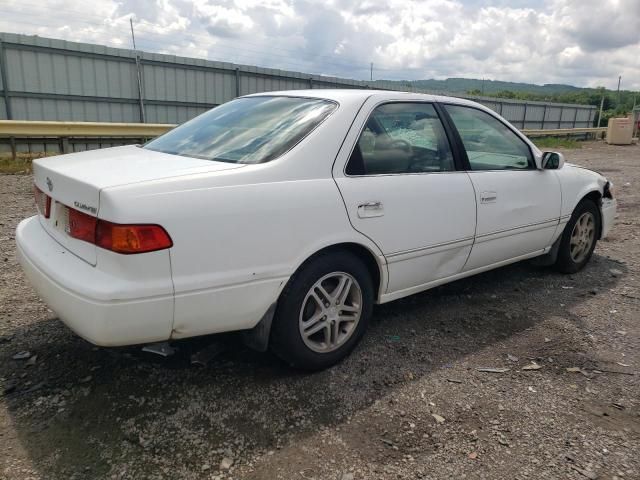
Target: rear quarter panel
239,234
235,246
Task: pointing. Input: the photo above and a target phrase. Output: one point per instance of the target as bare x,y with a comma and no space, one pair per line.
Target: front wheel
323,311
579,238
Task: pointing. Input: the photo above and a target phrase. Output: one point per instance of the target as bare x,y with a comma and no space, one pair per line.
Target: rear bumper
609,207
89,300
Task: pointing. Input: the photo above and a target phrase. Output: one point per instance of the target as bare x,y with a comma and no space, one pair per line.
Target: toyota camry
288,215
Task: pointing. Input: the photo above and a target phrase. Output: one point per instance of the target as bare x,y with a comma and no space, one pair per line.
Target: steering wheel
402,144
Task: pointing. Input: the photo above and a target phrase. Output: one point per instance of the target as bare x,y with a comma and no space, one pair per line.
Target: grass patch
556,142
22,163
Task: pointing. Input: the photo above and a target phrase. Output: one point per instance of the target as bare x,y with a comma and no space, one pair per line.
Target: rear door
518,205
397,175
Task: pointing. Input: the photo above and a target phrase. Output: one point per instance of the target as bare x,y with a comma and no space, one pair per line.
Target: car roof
342,95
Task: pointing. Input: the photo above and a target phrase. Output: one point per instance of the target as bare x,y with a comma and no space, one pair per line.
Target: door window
489,143
401,138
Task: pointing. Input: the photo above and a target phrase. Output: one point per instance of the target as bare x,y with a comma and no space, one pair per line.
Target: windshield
246,130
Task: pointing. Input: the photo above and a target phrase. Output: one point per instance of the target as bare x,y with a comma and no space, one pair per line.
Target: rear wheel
579,237
323,311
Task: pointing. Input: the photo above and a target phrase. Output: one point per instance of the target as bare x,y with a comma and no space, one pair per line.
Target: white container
619,131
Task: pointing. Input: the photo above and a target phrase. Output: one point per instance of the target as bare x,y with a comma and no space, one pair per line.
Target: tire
299,311
576,248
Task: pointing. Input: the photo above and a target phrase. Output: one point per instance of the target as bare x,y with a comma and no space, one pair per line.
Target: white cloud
581,42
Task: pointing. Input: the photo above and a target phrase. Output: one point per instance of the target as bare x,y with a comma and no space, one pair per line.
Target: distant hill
613,103
464,85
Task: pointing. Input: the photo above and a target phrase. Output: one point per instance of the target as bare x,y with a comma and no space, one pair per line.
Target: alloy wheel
582,237
330,312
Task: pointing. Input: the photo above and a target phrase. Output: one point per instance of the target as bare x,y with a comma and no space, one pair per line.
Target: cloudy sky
579,42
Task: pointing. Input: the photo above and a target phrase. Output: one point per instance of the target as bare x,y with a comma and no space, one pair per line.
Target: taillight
117,237
43,202
131,238
82,226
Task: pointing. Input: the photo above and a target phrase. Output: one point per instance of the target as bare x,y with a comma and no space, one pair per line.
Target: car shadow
80,410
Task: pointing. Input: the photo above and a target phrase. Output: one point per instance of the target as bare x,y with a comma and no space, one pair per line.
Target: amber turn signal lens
131,238
119,238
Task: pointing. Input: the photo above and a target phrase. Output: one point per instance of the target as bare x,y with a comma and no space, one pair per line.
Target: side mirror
552,161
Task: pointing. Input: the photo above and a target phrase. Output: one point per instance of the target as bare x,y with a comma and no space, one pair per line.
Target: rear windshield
246,130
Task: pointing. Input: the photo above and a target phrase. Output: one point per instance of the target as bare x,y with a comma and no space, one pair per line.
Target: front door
518,205
401,189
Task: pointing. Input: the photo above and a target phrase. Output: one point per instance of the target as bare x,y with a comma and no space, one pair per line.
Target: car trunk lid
74,181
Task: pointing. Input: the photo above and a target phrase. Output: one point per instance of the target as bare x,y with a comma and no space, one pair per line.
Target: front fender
576,183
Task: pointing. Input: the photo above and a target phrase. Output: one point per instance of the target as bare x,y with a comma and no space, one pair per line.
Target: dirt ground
409,403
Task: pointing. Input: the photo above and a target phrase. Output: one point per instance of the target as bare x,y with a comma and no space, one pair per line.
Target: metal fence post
143,118
524,117
310,82
64,145
237,82
14,153
5,86
544,115
575,117
560,117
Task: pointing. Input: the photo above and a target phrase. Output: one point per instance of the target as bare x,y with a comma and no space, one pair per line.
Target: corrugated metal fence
48,79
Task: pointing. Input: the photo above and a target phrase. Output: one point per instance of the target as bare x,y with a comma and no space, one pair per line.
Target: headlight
608,191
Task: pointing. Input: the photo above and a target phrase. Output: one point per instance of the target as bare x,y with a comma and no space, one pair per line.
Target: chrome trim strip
389,296
461,242
452,244
403,174
511,233
544,222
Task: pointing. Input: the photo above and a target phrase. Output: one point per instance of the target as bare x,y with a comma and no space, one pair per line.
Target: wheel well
258,337
363,254
596,197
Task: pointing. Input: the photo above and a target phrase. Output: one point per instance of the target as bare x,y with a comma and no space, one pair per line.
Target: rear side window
489,143
246,130
401,138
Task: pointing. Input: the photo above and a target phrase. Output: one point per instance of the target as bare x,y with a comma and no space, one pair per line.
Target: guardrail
562,132
67,134
24,128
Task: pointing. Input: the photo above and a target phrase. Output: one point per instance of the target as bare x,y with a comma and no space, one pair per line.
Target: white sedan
288,215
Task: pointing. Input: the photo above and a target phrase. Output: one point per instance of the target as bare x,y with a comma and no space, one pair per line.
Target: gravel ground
409,403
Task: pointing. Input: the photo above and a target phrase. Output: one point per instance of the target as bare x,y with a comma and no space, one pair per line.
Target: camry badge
49,184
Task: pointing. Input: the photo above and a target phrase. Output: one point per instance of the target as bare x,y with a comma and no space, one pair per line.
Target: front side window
246,130
489,143
401,138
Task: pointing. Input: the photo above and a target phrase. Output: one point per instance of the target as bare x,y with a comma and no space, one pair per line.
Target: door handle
488,197
370,209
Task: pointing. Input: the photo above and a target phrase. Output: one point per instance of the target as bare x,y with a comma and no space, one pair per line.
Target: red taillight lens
117,237
82,226
43,202
131,238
